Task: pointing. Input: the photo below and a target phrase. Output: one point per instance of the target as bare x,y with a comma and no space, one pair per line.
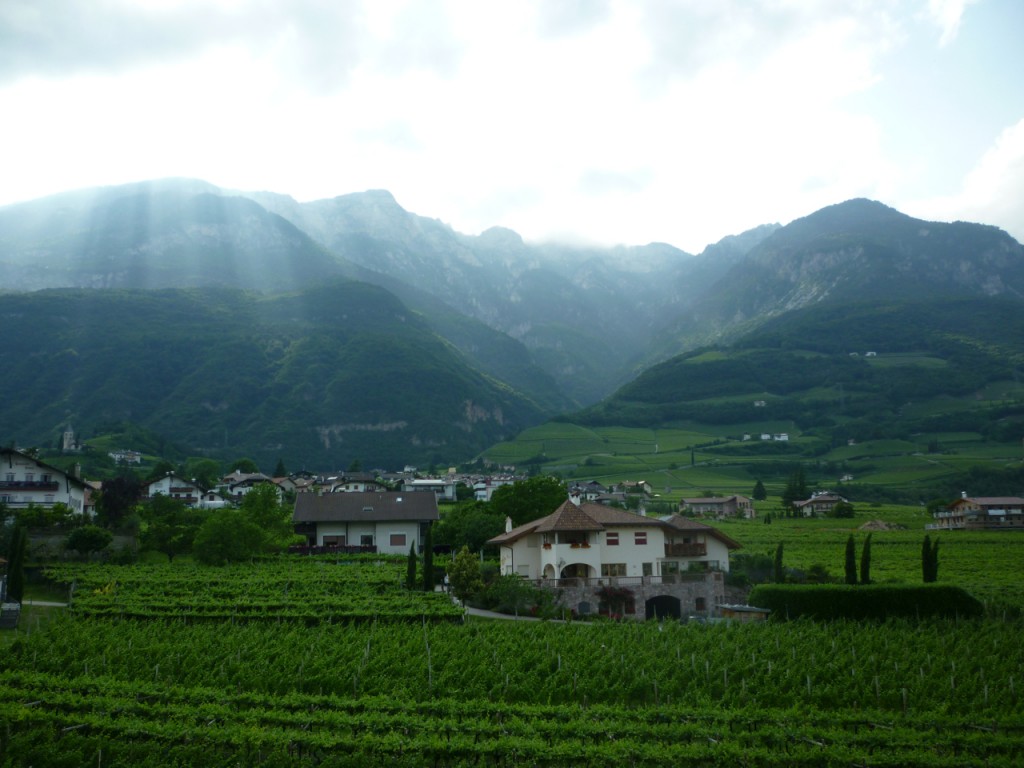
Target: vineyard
311,590
188,686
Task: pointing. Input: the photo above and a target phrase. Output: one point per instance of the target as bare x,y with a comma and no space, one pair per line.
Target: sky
588,121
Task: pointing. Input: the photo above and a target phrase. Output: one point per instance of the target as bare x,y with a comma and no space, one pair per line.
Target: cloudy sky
602,121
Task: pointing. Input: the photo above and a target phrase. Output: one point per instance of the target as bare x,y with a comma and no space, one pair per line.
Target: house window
640,538
30,476
48,498
701,604
612,538
334,541
366,540
648,569
10,477
397,539
613,569
45,478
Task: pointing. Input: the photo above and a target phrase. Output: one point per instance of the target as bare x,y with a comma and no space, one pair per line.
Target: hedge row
790,601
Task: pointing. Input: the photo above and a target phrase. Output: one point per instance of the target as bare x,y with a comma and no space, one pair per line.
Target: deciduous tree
526,500
464,575
88,539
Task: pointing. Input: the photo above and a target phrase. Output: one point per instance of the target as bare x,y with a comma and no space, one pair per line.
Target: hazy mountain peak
500,237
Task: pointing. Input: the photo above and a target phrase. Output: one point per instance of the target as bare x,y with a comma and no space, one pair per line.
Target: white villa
592,541
669,566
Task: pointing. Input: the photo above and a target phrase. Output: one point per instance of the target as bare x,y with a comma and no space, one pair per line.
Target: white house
442,488
719,506
593,541
381,522
175,487
25,481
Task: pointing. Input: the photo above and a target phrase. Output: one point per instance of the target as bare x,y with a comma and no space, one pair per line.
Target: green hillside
909,400
323,377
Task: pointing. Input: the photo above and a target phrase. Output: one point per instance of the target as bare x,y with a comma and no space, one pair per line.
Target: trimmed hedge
864,602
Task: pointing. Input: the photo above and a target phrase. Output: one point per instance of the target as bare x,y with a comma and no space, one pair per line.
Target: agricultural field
110,683
692,457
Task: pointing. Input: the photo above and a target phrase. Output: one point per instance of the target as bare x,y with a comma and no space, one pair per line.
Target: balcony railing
692,549
29,485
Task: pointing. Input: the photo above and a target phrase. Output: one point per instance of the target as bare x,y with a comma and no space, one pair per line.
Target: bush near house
840,601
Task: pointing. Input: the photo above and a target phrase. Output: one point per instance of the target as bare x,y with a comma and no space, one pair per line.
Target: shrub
864,602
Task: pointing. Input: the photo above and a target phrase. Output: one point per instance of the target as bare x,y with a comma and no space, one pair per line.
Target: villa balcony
693,549
29,485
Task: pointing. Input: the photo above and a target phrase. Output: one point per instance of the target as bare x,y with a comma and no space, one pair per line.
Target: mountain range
238,323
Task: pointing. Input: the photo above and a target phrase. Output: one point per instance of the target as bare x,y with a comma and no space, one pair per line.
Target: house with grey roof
382,522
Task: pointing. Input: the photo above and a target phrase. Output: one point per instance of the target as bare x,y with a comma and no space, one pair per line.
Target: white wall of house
24,482
389,537
638,551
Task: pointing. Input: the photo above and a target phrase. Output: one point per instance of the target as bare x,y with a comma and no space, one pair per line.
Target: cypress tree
16,564
759,494
932,573
929,560
778,574
865,562
428,560
410,568
851,561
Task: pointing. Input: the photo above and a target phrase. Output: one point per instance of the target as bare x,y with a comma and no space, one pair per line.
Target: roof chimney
963,494
508,524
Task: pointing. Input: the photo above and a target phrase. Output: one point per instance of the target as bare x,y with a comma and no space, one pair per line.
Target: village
600,548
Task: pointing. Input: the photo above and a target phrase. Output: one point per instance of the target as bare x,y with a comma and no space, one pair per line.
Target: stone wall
710,590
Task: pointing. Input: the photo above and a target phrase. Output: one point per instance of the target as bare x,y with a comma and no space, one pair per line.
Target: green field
730,459
182,687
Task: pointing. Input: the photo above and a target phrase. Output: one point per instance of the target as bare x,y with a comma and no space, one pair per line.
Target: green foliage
464,575
468,523
295,361
16,564
850,561
428,559
865,561
796,489
261,525
526,500
865,602
118,500
759,493
410,568
35,516
228,536
513,595
170,526
88,539
842,509
929,560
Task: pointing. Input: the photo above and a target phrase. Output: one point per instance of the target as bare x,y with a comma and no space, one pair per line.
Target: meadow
691,457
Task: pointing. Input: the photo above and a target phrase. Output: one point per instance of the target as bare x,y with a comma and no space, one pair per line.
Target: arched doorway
576,571
663,607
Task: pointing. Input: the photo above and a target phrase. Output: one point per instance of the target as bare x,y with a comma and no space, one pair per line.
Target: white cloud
947,15
993,191
617,121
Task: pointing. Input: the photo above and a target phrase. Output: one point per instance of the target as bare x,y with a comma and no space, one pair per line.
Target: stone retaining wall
711,590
